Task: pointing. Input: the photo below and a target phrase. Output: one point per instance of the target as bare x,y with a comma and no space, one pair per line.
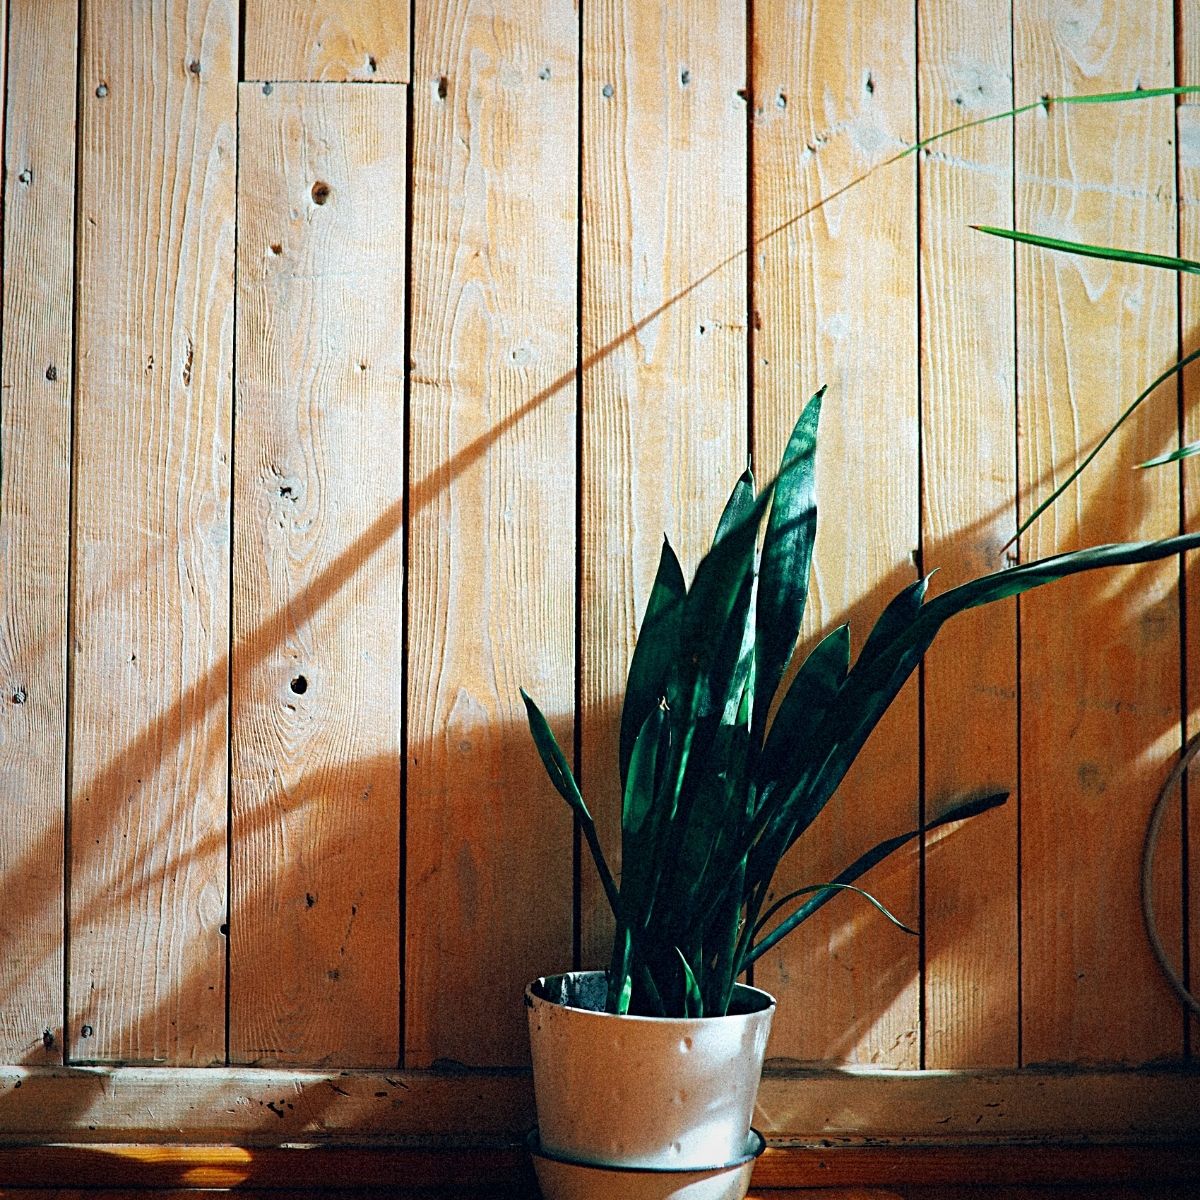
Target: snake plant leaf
620,981
1113,253
871,685
553,758
786,562
804,704
1014,581
693,1000
641,815
1173,455
1082,466
655,652
713,812
832,745
900,612
861,866
563,779
712,626
739,505
878,904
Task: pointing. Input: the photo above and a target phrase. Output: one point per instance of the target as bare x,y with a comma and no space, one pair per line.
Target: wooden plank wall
355,360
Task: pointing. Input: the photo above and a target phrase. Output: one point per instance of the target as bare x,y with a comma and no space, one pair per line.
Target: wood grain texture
835,304
335,40
663,341
1099,655
317,740
1187,124
35,463
846,1109
968,434
154,314
492,559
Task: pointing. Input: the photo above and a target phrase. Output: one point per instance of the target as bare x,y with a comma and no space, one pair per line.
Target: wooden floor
984,1172
530,1192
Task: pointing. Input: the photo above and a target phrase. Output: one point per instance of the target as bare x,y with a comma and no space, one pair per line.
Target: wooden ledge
260,1107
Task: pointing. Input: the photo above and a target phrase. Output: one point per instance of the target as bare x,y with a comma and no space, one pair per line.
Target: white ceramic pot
643,1091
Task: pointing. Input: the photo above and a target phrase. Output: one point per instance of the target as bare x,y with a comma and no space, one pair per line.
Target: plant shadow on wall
275,910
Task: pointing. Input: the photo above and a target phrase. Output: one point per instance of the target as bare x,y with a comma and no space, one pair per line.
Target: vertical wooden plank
35,433
835,295
333,40
1187,41
663,339
150,608
964,55
492,529
1099,656
319,461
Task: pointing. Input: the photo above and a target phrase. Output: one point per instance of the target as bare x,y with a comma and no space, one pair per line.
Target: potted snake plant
654,1062
652,1065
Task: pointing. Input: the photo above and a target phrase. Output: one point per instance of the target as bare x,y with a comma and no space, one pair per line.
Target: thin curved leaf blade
655,653
1172,456
863,864
786,561
1146,392
1140,258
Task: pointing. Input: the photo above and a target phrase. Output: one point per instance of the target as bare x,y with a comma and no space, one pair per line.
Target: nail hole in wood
299,685
320,192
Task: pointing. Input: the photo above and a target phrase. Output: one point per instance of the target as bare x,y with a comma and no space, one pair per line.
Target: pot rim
754,1147
762,1002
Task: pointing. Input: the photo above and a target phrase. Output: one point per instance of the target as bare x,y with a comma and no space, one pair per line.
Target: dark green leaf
738,507
655,652
563,779
786,560
694,1001
806,701
553,758
642,813
900,613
